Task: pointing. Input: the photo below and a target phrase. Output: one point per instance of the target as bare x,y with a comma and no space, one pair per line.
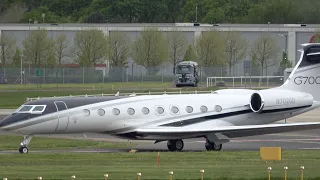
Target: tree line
150,49
169,11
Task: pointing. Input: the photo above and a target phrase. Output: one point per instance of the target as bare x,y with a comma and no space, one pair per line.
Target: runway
309,139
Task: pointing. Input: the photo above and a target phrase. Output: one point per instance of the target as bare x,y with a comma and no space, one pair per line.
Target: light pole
21,68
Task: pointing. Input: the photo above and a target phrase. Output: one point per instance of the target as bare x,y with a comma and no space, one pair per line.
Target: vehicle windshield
184,69
31,109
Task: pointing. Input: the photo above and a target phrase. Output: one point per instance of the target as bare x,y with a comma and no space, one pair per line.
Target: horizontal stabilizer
230,131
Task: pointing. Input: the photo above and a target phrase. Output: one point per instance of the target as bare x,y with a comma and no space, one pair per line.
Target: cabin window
101,112
218,108
203,109
160,110
174,110
116,111
189,109
145,110
130,111
86,112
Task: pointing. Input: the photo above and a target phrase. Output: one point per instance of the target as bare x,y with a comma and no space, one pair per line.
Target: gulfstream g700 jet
172,118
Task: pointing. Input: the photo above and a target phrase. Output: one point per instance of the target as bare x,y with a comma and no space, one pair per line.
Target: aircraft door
63,115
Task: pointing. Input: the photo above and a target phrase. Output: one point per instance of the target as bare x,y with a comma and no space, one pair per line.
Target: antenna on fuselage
117,94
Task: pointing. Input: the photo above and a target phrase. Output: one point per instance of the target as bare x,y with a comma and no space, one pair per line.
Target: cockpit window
38,108
25,108
31,109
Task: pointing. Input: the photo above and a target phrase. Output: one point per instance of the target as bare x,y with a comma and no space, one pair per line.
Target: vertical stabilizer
305,77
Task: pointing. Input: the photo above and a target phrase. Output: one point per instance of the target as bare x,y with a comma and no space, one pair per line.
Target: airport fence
246,81
201,175
133,73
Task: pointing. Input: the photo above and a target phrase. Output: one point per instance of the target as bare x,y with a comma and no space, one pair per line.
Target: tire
213,147
179,145
217,147
23,150
175,145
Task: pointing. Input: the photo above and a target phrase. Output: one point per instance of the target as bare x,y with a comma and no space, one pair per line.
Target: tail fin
305,76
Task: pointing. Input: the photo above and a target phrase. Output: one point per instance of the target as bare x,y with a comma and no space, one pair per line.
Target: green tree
119,49
61,48
51,59
190,54
90,47
209,48
264,52
236,48
16,60
177,44
36,16
150,49
173,9
37,47
151,11
7,47
118,53
285,63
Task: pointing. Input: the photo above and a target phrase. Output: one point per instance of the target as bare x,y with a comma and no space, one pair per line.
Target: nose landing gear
24,144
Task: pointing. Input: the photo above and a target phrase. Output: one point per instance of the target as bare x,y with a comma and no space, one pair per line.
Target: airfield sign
39,72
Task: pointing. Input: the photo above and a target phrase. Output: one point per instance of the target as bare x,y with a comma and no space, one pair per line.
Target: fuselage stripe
219,116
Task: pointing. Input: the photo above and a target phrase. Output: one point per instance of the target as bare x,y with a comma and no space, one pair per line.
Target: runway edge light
139,175
201,173
285,173
171,174
269,173
301,173
271,153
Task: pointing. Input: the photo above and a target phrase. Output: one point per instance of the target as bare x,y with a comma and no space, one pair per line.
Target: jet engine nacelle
279,99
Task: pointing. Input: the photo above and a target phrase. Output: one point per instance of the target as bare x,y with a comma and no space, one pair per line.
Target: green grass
185,165
11,142
12,100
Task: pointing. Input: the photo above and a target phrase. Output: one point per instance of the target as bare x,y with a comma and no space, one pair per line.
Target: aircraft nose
4,122
10,120
1,124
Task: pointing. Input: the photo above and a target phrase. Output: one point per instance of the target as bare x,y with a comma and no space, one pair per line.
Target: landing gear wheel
213,147
23,150
175,145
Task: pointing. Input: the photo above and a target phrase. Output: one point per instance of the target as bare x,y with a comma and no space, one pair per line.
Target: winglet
117,94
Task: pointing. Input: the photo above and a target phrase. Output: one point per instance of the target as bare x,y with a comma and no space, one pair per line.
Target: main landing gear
24,144
211,146
177,145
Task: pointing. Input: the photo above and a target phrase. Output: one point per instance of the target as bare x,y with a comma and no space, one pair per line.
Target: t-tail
305,76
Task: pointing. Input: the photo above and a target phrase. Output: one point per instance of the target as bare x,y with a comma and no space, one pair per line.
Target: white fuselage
208,110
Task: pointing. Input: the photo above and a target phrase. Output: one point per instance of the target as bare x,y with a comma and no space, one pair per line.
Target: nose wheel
24,144
23,150
175,145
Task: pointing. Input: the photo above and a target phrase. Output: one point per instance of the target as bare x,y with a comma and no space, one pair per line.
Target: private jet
217,116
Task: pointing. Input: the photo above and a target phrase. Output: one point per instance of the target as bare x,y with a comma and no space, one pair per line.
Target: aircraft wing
230,131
